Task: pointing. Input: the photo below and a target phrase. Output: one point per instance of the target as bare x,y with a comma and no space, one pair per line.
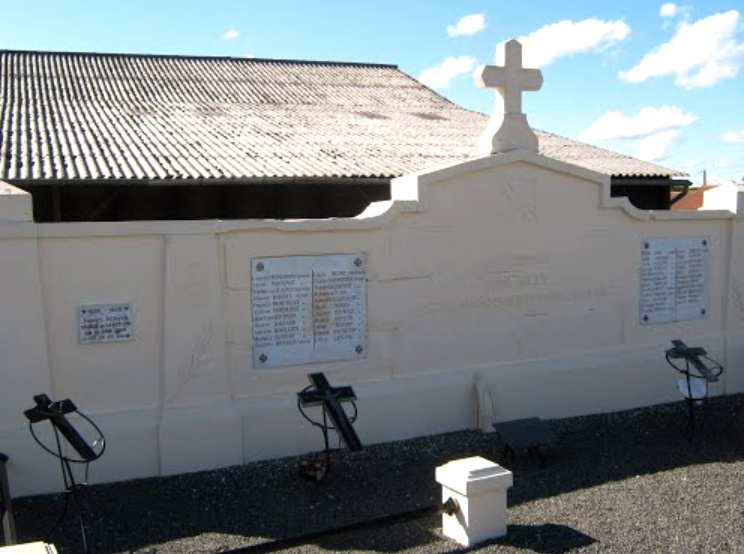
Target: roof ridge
196,57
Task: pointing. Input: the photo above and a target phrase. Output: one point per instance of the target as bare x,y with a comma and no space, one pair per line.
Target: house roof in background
75,116
693,200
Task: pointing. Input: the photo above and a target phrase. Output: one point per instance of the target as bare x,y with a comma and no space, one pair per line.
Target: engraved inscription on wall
105,323
309,309
517,270
674,279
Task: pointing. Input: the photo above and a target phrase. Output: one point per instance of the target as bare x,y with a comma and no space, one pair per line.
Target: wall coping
409,194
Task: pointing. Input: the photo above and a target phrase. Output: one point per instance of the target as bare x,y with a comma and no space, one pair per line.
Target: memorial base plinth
479,486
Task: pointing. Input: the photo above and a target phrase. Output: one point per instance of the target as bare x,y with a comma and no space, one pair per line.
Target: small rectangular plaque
309,309
105,323
674,279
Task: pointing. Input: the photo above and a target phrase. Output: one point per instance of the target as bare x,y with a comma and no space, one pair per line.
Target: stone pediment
412,191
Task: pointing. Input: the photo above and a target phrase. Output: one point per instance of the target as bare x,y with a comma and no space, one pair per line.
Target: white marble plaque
309,309
105,323
674,279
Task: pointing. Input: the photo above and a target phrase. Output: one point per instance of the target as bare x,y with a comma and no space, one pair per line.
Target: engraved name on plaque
309,309
105,323
674,279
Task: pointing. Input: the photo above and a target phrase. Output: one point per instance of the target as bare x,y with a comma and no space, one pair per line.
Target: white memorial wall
188,341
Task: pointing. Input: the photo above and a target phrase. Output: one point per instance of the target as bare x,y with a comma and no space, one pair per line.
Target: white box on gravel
479,486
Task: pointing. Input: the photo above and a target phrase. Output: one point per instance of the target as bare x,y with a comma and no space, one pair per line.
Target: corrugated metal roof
72,116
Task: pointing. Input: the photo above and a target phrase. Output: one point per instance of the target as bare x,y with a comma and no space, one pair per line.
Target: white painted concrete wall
514,267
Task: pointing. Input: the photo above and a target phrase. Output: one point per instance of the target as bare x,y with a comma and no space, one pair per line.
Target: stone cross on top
508,129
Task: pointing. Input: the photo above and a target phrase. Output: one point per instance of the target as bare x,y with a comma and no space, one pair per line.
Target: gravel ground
621,482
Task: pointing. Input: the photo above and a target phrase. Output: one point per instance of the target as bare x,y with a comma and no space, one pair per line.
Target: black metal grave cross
692,355
330,398
55,413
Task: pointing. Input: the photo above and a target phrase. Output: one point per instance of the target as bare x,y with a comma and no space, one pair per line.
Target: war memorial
510,286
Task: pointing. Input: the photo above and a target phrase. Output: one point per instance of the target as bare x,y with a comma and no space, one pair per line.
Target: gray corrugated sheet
66,116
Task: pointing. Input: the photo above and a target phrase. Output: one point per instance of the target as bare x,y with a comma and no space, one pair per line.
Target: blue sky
660,81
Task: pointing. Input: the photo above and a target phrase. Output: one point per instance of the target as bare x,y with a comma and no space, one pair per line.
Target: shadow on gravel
394,539
236,507
612,447
546,539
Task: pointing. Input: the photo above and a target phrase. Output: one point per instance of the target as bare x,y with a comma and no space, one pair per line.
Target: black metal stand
690,402
76,493
6,507
321,393
317,469
528,434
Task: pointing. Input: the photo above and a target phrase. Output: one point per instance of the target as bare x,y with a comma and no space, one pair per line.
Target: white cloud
655,129
699,54
733,136
565,38
723,163
468,25
231,34
656,147
668,10
440,77
649,121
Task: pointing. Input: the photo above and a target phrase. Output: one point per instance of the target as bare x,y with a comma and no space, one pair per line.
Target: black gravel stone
630,481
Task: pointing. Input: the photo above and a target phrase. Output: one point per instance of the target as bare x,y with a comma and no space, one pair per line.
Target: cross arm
489,76
531,79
